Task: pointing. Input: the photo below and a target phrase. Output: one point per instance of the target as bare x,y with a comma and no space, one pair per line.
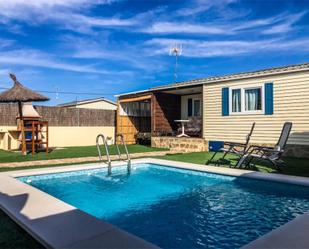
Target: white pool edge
56,224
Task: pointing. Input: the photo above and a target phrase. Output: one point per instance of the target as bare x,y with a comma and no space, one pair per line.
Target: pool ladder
109,162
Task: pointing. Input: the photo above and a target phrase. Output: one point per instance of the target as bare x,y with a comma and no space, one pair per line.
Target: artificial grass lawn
13,236
70,152
295,166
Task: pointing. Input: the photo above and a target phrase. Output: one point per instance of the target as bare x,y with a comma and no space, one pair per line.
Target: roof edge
74,103
228,77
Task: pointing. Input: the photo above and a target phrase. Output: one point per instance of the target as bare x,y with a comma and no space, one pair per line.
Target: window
253,99
135,109
197,108
236,100
194,107
247,100
190,107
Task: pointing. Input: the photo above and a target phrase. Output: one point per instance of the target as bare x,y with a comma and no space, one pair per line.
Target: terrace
159,115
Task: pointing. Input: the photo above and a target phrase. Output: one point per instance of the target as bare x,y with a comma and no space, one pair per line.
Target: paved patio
81,159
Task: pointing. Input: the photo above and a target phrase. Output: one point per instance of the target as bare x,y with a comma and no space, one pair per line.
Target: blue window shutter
190,107
269,98
225,101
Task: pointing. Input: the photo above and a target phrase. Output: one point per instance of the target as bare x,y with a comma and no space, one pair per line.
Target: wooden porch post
23,140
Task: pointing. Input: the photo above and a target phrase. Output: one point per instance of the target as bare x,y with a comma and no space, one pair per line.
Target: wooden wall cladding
166,108
130,126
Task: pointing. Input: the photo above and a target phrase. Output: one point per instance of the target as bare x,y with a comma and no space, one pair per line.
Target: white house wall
291,103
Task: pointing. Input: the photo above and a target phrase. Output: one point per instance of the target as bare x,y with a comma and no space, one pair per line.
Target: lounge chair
238,149
271,154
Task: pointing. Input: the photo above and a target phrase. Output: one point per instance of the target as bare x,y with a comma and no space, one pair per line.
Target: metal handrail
126,151
109,163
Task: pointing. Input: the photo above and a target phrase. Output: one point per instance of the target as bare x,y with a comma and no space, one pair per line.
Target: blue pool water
175,208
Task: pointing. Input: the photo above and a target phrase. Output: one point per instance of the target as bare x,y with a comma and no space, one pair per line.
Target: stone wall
180,144
292,150
190,144
300,151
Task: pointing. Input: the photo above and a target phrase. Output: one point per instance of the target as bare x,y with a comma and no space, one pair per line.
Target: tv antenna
57,93
176,50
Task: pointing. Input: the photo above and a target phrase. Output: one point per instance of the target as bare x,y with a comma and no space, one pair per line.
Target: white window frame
243,99
231,100
193,99
193,109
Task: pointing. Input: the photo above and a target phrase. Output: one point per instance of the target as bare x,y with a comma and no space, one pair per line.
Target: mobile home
226,107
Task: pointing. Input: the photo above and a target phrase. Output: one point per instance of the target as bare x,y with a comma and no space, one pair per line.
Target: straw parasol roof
19,93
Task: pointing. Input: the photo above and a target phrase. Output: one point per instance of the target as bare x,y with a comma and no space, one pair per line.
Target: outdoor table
183,122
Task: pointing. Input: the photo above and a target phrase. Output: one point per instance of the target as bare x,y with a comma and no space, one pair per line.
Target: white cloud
203,49
286,25
4,71
92,21
278,29
177,27
75,15
67,13
43,4
199,6
132,56
85,24
183,22
35,58
275,24
6,43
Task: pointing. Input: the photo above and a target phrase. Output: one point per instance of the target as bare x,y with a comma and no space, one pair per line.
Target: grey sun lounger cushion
271,154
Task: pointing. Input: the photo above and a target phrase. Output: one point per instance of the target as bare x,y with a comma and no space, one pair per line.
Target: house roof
228,77
86,101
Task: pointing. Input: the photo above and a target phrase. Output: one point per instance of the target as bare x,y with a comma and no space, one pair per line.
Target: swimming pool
176,208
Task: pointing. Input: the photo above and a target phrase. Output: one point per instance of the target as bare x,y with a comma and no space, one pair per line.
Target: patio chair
270,154
238,149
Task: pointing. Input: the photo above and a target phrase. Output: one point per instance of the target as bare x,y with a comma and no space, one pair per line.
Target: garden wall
67,126
180,144
60,116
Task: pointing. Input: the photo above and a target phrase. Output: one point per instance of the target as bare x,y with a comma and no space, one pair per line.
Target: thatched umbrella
18,93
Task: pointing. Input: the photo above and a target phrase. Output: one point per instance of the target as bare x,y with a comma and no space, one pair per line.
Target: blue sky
107,47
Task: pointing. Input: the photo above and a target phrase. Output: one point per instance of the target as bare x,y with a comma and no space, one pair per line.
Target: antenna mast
176,50
56,93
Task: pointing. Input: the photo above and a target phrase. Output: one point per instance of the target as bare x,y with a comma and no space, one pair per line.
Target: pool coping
56,224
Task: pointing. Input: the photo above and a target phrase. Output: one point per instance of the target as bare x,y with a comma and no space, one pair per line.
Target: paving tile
53,221
113,239
294,235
